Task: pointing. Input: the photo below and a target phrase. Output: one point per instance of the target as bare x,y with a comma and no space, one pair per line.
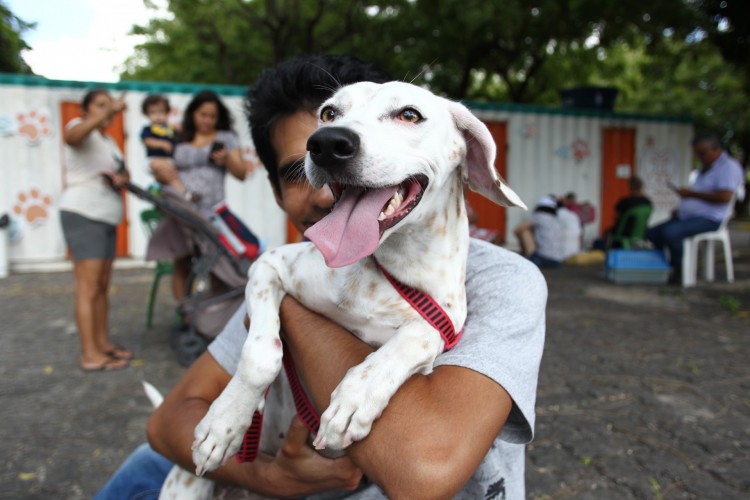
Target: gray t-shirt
503,338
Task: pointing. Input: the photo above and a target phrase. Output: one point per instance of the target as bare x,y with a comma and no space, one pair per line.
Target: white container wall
550,151
32,172
556,151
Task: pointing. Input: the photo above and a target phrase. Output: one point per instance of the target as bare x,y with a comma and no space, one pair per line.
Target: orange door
490,215
618,165
70,110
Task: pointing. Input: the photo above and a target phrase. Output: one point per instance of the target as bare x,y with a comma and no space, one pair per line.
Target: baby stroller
223,249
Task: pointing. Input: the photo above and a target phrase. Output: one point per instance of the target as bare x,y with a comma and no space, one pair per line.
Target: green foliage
232,41
11,42
683,57
732,304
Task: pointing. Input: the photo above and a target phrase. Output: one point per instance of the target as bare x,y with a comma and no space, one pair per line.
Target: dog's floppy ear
478,169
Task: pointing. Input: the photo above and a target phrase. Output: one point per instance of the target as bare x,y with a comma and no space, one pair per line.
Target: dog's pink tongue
351,231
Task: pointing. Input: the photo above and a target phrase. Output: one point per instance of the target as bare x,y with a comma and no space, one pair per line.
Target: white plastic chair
690,248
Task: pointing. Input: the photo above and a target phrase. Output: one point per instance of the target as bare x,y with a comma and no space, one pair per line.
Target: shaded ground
643,391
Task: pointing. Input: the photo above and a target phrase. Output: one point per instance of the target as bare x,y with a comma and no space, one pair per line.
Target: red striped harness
425,305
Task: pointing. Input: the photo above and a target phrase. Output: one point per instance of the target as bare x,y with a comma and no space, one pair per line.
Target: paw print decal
34,125
32,206
580,150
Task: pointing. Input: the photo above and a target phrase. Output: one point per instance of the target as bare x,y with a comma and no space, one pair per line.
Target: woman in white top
90,210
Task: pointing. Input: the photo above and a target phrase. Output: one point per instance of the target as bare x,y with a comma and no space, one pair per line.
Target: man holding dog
458,432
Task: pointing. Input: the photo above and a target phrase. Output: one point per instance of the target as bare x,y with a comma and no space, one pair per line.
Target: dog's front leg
364,392
219,435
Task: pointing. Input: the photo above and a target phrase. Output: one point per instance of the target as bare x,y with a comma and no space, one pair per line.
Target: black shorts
87,238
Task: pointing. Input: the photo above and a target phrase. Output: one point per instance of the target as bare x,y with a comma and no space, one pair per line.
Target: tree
11,42
232,41
684,57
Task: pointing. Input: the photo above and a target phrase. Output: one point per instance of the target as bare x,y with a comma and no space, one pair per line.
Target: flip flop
120,353
110,365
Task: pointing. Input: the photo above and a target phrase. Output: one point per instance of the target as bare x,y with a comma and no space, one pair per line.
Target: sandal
110,365
119,353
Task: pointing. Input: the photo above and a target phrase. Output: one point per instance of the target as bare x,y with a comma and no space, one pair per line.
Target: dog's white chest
357,297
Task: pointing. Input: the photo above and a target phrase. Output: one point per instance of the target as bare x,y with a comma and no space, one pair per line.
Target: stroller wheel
188,345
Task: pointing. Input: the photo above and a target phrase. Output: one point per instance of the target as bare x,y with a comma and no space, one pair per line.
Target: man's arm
435,431
295,471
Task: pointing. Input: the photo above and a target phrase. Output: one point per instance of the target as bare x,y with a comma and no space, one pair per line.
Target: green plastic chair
639,216
150,219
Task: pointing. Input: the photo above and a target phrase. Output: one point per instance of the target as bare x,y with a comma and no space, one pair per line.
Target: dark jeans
542,261
670,234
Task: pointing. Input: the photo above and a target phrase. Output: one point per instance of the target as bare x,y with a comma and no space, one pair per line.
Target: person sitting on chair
703,205
636,198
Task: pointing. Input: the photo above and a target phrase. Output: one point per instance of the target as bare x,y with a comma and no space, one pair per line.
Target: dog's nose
332,147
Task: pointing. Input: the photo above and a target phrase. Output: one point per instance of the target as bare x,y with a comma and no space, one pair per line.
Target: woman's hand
118,104
120,178
219,157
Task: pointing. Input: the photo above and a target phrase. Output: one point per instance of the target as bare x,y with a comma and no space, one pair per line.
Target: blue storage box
637,266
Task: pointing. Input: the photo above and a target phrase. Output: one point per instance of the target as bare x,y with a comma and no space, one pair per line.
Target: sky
85,40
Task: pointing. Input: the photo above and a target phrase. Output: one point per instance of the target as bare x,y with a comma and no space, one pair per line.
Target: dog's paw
355,404
219,435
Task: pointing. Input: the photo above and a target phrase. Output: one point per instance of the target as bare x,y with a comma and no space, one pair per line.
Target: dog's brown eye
327,114
410,115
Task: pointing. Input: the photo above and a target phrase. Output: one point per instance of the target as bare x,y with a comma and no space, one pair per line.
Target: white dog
396,158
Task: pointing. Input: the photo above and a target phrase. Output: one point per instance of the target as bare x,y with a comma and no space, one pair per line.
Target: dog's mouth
359,218
406,196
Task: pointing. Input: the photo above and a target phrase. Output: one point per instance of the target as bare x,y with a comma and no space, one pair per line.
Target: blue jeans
671,233
140,477
542,261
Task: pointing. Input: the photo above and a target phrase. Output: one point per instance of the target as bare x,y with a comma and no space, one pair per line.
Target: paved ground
643,391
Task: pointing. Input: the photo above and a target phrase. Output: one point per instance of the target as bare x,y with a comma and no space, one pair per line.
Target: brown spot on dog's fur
346,304
430,221
189,480
425,345
372,289
229,430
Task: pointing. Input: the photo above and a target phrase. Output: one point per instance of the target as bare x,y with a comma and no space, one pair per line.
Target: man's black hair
707,137
299,84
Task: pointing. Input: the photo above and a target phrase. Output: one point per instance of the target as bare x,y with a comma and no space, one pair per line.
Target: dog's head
385,150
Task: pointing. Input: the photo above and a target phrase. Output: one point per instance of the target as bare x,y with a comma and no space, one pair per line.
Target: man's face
304,205
706,153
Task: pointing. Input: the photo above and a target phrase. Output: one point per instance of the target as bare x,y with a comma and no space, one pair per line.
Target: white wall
555,153
31,172
549,152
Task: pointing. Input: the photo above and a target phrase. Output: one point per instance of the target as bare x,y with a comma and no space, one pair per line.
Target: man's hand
298,465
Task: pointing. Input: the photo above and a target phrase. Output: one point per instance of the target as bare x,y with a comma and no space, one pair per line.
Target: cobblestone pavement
643,390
